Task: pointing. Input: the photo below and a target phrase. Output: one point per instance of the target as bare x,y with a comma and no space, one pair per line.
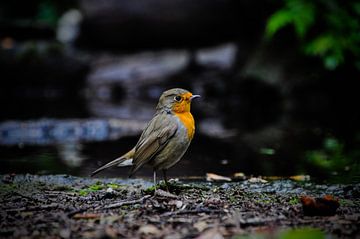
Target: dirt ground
61,206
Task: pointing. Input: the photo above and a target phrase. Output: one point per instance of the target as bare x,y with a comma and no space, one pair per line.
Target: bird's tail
125,160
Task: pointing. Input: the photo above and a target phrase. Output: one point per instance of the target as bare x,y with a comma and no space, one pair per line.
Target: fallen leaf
257,180
162,193
149,229
300,177
215,177
201,226
176,203
214,202
65,233
239,175
325,206
110,232
211,234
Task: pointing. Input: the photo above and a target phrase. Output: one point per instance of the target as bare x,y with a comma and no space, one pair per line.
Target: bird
166,137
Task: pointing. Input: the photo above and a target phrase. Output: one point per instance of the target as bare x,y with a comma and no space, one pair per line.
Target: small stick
122,203
190,212
114,205
79,211
34,208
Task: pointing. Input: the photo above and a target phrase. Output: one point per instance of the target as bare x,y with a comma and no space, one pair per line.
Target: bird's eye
177,98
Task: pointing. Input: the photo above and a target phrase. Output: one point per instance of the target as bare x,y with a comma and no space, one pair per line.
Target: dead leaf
110,232
239,175
257,180
149,229
214,202
65,233
300,177
176,203
162,193
214,177
211,234
201,226
325,206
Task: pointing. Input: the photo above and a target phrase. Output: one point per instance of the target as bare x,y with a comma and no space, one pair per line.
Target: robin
166,137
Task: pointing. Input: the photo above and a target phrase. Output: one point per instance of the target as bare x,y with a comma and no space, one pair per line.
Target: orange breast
188,120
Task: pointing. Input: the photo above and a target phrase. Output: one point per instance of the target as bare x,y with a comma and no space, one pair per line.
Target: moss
114,186
312,233
233,199
96,187
150,190
346,202
294,200
83,192
5,188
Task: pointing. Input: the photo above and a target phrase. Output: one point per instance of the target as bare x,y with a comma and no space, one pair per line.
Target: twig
114,205
203,210
27,197
122,203
34,208
70,214
86,216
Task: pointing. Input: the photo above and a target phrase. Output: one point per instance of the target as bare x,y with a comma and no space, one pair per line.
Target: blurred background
279,82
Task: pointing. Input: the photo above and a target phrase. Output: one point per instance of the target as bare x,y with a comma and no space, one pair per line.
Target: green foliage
6,188
332,158
114,185
309,233
267,151
299,233
47,13
336,23
301,14
97,187
150,190
294,200
83,192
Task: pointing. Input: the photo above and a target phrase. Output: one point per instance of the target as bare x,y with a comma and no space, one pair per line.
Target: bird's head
176,100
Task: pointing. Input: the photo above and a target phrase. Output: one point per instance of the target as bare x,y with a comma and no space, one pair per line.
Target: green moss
114,186
346,202
232,199
300,233
309,233
5,188
83,192
294,200
150,190
96,187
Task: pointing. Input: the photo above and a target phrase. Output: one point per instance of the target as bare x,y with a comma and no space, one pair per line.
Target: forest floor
61,206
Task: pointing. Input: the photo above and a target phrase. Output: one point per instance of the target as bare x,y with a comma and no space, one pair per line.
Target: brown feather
153,140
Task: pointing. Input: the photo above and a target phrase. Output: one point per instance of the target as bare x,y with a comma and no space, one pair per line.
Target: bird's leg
166,181
155,183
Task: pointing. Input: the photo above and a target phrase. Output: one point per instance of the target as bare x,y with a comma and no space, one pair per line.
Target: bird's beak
194,96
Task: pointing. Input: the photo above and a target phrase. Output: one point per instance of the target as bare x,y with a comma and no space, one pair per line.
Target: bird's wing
156,135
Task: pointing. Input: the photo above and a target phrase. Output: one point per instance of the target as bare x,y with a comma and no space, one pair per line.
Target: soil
61,206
